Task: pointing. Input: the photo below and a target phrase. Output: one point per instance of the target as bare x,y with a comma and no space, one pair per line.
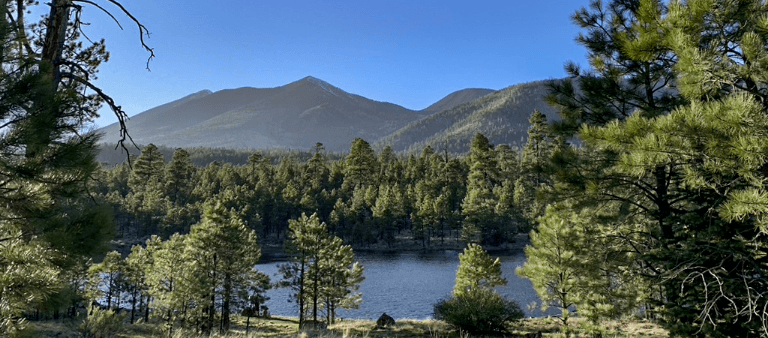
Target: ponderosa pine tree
360,166
109,279
533,170
138,262
322,271
177,178
341,276
480,222
224,252
168,278
477,270
306,239
148,167
631,67
49,98
691,177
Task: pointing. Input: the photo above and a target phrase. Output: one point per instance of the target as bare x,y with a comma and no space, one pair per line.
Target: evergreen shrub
479,310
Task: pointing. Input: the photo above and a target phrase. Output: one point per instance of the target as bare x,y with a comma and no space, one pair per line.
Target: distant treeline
110,155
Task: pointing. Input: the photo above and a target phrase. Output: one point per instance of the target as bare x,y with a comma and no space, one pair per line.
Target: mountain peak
325,86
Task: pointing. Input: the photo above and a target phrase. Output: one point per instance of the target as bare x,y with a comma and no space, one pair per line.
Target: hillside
456,98
302,113
293,116
502,116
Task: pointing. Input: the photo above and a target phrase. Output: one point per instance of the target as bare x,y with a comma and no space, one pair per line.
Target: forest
647,198
365,198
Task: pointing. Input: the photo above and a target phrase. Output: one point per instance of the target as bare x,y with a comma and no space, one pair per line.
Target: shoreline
275,252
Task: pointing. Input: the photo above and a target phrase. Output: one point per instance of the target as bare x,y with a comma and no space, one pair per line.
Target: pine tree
632,68
177,178
49,226
167,276
138,262
477,270
306,239
340,278
148,168
360,166
224,253
388,212
109,279
322,271
689,176
553,263
534,171
480,222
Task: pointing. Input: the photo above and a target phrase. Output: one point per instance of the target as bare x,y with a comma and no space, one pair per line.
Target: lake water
406,285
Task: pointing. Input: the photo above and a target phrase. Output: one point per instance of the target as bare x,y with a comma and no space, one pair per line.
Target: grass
288,327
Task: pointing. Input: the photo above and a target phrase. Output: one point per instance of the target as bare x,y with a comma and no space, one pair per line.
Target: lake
407,284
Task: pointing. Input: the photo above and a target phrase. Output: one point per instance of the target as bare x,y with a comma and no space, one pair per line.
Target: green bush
478,311
102,324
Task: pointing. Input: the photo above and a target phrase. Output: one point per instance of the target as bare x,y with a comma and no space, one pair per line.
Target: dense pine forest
365,198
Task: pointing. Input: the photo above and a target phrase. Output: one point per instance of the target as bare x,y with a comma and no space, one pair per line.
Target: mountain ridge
292,116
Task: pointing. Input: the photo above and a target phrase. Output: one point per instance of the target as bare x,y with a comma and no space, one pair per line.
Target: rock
385,321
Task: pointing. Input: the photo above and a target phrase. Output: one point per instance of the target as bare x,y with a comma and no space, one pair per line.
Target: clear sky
408,52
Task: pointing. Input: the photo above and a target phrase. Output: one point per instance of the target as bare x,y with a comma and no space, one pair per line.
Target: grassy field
288,327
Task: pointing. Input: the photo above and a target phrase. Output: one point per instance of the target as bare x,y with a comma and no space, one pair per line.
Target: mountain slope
501,116
296,115
456,98
304,112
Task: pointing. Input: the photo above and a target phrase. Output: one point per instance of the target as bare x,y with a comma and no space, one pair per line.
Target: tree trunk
133,305
212,307
146,310
58,22
301,291
316,281
225,303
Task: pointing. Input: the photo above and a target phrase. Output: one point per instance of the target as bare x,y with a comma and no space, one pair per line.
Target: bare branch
118,110
142,29
103,10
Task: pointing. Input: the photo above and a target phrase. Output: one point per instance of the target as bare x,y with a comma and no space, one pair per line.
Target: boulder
385,321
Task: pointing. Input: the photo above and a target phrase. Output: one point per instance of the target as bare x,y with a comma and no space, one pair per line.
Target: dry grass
288,327
552,327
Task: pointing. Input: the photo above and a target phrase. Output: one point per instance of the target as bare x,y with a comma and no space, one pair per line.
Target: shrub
102,324
478,310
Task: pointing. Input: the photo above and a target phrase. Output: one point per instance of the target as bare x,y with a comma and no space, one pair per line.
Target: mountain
307,111
456,98
294,116
502,116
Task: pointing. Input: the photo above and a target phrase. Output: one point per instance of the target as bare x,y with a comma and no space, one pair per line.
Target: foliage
477,270
102,324
501,116
322,272
674,182
28,276
48,104
478,311
222,252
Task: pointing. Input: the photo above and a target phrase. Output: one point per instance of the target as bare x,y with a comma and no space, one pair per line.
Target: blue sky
410,53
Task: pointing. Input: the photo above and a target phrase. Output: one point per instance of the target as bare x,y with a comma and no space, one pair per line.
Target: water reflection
407,284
